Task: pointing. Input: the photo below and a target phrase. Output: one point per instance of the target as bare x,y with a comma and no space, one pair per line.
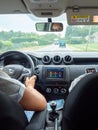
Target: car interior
64,59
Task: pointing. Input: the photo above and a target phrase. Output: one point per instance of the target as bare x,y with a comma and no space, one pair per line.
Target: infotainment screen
55,73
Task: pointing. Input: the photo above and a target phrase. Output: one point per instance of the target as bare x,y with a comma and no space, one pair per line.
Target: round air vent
57,59
46,59
67,59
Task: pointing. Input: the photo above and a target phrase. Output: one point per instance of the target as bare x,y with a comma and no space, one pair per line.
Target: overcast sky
16,23
21,22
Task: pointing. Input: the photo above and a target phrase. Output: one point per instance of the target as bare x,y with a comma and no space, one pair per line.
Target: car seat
81,106
12,116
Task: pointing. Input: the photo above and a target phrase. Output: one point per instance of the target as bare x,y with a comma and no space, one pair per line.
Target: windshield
18,32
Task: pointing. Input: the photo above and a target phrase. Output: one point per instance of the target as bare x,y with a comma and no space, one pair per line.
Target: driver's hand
30,81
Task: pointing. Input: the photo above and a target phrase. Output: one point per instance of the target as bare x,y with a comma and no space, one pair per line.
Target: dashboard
56,70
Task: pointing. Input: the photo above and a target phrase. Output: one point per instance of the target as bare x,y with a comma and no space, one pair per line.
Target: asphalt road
53,47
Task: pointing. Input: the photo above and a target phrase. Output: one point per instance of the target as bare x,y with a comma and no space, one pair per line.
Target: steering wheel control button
37,71
25,71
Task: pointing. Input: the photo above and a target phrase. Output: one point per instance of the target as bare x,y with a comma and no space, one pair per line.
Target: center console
54,81
54,115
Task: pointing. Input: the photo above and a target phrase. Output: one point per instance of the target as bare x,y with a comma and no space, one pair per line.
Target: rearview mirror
49,27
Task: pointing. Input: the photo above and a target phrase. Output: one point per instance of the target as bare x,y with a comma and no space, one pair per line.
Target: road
53,47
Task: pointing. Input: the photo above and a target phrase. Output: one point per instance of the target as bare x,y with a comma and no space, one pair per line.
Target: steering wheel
18,71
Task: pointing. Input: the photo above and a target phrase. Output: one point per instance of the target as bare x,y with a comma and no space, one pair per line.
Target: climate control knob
63,90
56,90
48,90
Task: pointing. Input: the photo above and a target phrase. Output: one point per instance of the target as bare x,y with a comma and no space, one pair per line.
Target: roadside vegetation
16,40
81,38
84,47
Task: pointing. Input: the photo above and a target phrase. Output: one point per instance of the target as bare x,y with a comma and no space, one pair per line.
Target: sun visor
82,16
45,8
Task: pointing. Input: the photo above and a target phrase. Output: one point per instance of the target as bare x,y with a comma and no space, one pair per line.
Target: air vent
46,59
57,59
67,59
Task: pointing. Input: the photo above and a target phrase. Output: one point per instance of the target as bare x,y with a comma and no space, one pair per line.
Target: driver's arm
28,97
32,99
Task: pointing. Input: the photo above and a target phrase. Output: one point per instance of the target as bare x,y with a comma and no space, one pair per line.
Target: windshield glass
18,32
